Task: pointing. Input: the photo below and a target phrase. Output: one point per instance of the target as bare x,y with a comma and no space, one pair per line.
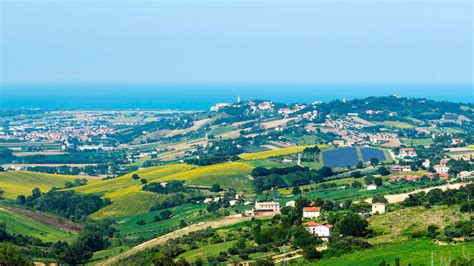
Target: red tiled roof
328,226
311,224
311,209
443,175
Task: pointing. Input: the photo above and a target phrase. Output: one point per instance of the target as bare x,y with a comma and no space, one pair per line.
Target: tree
296,191
302,238
356,174
135,176
166,214
352,225
379,198
1,193
143,180
374,161
21,199
216,188
141,222
356,184
9,255
360,164
378,181
383,171
369,179
311,253
77,253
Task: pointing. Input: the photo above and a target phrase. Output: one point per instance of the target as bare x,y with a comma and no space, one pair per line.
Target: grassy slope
412,252
128,199
22,182
396,124
204,251
21,224
125,183
274,153
128,225
129,203
416,142
396,226
229,175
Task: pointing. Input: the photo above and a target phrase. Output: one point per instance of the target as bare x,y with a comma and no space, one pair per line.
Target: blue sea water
202,96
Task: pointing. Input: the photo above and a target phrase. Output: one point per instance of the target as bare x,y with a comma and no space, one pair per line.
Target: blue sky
354,41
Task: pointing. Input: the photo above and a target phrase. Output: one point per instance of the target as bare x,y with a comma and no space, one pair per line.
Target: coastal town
300,182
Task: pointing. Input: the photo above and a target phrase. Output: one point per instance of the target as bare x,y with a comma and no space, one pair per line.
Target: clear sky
384,41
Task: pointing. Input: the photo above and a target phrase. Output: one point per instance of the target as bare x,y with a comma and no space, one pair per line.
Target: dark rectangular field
368,153
340,157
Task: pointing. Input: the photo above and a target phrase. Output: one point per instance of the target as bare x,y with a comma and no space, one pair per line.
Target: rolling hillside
15,183
21,224
275,153
124,184
128,198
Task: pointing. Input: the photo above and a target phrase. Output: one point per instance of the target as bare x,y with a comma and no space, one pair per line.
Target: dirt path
58,222
178,233
401,197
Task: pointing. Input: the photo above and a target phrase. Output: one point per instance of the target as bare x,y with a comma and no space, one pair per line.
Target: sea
172,96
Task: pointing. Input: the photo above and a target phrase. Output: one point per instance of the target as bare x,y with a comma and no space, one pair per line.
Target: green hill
21,224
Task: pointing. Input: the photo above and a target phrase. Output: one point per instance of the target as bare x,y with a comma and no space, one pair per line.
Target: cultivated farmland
275,153
22,182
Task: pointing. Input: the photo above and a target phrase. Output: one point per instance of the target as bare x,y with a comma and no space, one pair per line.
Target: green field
129,203
395,226
222,130
450,130
275,153
416,142
412,252
128,225
396,124
107,253
229,175
113,188
204,251
21,224
22,182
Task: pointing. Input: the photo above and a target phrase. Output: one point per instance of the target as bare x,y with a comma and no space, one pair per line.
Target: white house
441,168
407,152
400,168
233,202
465,175
311,212
266,207
378,207
290,203
372,187
426,164
322,231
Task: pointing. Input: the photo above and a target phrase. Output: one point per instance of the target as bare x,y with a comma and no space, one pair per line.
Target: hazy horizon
199,96
200,41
